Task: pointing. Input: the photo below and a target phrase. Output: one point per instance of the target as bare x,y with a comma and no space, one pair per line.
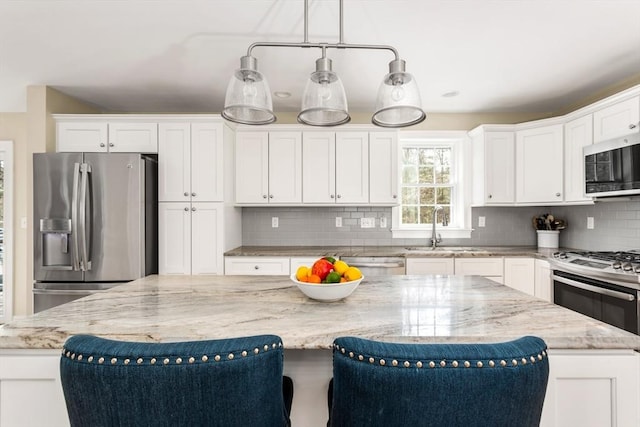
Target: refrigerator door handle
85,262
74,218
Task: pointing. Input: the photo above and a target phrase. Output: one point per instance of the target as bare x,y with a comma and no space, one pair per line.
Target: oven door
612,304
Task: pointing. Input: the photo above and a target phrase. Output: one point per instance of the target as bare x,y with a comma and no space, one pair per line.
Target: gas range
622,267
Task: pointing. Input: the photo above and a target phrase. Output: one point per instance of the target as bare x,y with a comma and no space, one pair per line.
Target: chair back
390,384
226,382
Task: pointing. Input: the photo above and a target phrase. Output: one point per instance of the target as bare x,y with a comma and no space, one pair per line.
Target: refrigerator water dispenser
56,253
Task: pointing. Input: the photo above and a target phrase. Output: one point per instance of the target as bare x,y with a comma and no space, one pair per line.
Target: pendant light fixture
324,102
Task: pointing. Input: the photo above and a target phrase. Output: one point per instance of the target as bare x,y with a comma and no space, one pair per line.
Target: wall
617,227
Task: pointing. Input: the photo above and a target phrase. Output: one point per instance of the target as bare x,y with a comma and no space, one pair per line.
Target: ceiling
178,56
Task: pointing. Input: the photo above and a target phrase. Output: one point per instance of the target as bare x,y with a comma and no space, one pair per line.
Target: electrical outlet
274,222
481,221
367,222
338,221
590,224
383,222
23,222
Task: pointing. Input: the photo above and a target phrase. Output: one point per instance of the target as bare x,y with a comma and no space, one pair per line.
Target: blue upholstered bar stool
226,382
444,385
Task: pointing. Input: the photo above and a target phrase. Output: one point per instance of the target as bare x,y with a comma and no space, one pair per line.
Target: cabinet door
81,136
539,159
519,273
252,167
617,120
133,137
174,162
543,282
352,167
206,238
383,168
479,267
319,171
206,162
430,266
285,167
499,152
174,238
577,135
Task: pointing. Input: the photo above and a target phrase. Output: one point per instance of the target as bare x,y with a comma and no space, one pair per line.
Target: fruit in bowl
327,279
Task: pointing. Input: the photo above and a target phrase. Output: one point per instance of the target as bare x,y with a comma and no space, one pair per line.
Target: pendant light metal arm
323,46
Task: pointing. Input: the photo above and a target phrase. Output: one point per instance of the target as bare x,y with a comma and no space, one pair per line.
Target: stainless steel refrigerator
95,223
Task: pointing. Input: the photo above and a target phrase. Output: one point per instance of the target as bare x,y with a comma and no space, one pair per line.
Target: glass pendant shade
324,102
398,103
248,98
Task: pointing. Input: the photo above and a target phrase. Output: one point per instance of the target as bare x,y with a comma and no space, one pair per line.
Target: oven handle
596,289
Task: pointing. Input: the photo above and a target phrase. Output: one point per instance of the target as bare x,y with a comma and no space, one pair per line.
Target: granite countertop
387,251
391,308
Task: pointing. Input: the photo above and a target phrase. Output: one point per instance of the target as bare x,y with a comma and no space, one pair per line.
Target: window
6,221
432,174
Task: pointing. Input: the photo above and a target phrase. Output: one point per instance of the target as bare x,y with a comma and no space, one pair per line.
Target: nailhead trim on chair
442,363
165,360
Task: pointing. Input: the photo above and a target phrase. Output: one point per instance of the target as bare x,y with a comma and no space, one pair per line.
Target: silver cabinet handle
332,196
102,144
271,196
264,196
111,144
339,196
193,194
255,267
395,196
557,194
632,126
186,194
186,209
490,196
193,209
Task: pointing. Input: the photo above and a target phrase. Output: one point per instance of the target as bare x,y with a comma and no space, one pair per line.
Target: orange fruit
343,280
314,278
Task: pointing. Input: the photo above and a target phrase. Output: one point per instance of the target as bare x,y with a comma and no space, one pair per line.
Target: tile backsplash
616,226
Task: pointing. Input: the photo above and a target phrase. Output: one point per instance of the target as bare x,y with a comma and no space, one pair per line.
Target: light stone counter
392,308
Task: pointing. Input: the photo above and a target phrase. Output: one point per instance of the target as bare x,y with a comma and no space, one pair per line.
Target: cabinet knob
271,196
111,144
186,209
193,209
632,126
490,196
186,194
193,194
339,196
557,194
395,196
255,267
332,196
102,144
264,196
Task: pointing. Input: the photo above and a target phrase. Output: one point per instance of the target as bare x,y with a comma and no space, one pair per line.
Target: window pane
426,214
443,165
427,196
410,156
426,156
426,175
409,175
443,195
410,196
409,214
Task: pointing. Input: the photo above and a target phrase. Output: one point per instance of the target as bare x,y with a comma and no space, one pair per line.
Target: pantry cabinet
190,238
620,119
336,167
383,168
190,163
91,133
493,155
539,164
268,167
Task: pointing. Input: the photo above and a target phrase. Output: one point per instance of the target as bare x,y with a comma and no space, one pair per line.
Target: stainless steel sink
443,249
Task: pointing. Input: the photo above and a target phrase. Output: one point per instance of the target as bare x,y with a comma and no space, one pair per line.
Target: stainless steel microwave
612,168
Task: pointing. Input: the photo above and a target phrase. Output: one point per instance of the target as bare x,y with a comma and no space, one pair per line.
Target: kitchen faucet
435,238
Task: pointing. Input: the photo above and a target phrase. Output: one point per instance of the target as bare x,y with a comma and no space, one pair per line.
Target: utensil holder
548,238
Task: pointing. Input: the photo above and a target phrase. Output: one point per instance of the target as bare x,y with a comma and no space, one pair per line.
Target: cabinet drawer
133,137
429,266
273,266
478,266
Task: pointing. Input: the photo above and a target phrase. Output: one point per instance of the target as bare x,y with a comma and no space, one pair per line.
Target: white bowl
327,291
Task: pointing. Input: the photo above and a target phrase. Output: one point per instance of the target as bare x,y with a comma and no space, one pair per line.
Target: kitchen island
595,368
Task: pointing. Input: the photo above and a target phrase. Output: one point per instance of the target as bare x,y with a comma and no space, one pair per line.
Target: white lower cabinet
190,238
429,265
519,273
260,265
491,268
543,283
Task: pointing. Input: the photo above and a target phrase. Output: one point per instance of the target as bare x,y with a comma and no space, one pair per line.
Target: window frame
459,142
6,153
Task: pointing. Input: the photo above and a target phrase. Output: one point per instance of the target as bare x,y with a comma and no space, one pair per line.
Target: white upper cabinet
578,134
268,167
493,167
539,165
102,136
190,163
617,120
383,168
336,167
